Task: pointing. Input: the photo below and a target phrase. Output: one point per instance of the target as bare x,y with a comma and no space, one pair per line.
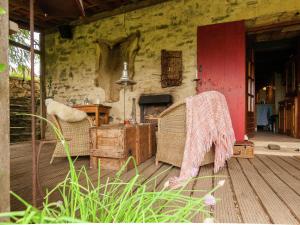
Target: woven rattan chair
171,136
77,135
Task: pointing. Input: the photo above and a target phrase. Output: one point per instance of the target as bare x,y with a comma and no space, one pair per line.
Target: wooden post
43,85
33,136
4,114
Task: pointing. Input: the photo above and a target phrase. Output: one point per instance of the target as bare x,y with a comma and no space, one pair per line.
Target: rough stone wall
70,64
20,102
19,88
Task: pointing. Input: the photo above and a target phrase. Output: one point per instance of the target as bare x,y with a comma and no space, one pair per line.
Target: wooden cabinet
290,77
281,119
250,97
288,117
114,144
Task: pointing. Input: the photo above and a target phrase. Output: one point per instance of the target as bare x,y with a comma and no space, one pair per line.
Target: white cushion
64,112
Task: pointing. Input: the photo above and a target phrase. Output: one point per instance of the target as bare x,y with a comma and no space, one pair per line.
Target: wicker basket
171,136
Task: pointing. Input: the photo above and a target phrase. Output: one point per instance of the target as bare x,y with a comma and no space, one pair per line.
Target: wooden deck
263,190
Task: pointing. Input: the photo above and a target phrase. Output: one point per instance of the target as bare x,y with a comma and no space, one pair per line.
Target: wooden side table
113,144
96,109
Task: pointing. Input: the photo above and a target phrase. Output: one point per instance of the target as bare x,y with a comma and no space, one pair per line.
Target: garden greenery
112,200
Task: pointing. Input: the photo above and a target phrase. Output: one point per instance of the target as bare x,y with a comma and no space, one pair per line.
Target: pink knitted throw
208,123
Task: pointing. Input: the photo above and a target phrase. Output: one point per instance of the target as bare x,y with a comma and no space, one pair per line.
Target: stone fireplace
152,105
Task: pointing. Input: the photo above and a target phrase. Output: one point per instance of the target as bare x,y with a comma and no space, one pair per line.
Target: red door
221,67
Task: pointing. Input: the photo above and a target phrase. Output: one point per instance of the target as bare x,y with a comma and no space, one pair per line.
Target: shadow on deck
265,189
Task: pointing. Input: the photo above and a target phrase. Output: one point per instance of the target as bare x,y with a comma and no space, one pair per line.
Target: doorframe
250,75
268,28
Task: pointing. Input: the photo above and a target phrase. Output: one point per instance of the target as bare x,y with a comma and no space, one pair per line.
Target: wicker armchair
171,136
77,135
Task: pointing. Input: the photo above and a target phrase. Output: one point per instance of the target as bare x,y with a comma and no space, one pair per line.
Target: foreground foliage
109,201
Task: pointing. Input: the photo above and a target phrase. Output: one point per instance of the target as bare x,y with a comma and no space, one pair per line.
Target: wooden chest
243,149
113,144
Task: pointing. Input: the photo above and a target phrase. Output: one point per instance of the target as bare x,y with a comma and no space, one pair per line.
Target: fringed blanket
208,124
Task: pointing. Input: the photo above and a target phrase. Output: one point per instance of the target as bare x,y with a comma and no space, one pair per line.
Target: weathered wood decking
265,189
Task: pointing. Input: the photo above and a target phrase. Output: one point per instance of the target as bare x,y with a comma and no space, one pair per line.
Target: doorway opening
273,78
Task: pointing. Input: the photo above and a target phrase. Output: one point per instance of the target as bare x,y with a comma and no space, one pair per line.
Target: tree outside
19,59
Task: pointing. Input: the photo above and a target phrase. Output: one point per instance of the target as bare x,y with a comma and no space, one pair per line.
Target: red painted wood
221,52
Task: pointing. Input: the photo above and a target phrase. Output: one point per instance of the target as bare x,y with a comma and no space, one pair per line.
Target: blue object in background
263,114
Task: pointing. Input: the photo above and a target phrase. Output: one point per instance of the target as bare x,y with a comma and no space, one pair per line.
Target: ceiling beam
123,9
272,27
120,10
274,45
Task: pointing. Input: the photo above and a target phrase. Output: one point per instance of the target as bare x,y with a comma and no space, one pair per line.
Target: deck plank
149,171
268,185
203,184
48,173
297,158
174,172
187,191
225,210
277,210
126,176
105,174
249,205
287,167
292,161
291,181
52,176
153,181
287,195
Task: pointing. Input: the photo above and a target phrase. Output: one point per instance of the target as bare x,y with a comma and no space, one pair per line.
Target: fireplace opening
152,105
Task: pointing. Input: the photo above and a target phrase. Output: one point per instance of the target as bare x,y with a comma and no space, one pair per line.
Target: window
19,54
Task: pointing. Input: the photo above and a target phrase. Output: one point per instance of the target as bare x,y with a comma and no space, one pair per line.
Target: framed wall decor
171,68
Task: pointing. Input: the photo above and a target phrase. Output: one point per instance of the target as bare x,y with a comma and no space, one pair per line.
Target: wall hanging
171,68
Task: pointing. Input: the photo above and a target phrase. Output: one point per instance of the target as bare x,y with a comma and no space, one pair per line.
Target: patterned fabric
208,123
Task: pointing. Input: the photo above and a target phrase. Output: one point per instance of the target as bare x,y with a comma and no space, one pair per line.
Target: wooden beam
120,10
24,23
272,27
43,86
33,126
19,45
4,114
274,45
117,11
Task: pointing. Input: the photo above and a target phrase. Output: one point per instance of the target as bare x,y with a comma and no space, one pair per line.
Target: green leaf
2,11
2,67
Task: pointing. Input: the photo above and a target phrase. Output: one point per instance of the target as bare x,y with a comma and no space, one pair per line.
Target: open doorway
272,81
274,84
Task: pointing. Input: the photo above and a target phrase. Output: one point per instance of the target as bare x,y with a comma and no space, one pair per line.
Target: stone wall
20,102
71,64
20,88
